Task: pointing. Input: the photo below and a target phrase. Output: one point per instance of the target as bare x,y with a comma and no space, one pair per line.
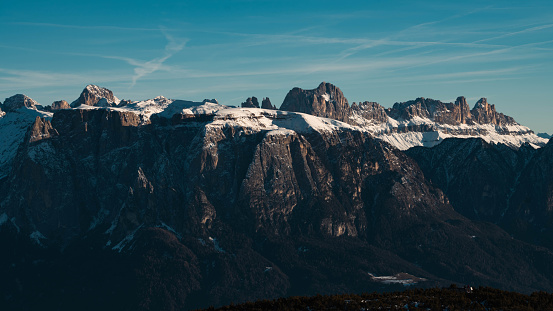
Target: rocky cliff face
83,142
477,177
326,101
93,95
512,188
161,204
228,208
370,111
530,213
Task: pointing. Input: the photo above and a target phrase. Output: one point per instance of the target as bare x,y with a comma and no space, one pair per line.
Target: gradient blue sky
383,51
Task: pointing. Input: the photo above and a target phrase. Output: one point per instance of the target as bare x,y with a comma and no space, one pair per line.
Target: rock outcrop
370,111
443,113
325,101
266,104
41,129
93,95
484,113
18,101
60,104
251,102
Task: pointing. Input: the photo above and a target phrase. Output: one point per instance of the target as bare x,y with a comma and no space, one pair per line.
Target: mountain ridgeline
170,204
328,101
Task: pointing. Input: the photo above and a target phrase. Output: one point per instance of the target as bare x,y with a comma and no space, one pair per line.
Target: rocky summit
18,101
326,101
93,95
174,204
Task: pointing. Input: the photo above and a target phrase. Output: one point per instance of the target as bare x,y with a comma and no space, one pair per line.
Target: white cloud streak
144,68
94,27
527,30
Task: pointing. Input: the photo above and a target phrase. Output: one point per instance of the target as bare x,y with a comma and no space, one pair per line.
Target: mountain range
174,204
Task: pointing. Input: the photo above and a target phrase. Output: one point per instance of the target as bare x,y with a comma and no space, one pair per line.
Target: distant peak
92,95
327,101
213,101
18,101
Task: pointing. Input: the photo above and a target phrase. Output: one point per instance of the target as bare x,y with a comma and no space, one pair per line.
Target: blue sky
383,51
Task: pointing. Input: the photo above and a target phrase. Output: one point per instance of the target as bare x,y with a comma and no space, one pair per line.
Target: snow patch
400,278
405,134
36,236
281,132
119,247
99,218
166,108
216,245
3,219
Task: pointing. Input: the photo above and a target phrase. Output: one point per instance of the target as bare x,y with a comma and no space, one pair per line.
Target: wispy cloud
90,27
514,33
144,68
35,78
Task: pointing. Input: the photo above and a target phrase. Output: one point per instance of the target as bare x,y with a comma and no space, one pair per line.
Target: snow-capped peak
18,101
92,95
